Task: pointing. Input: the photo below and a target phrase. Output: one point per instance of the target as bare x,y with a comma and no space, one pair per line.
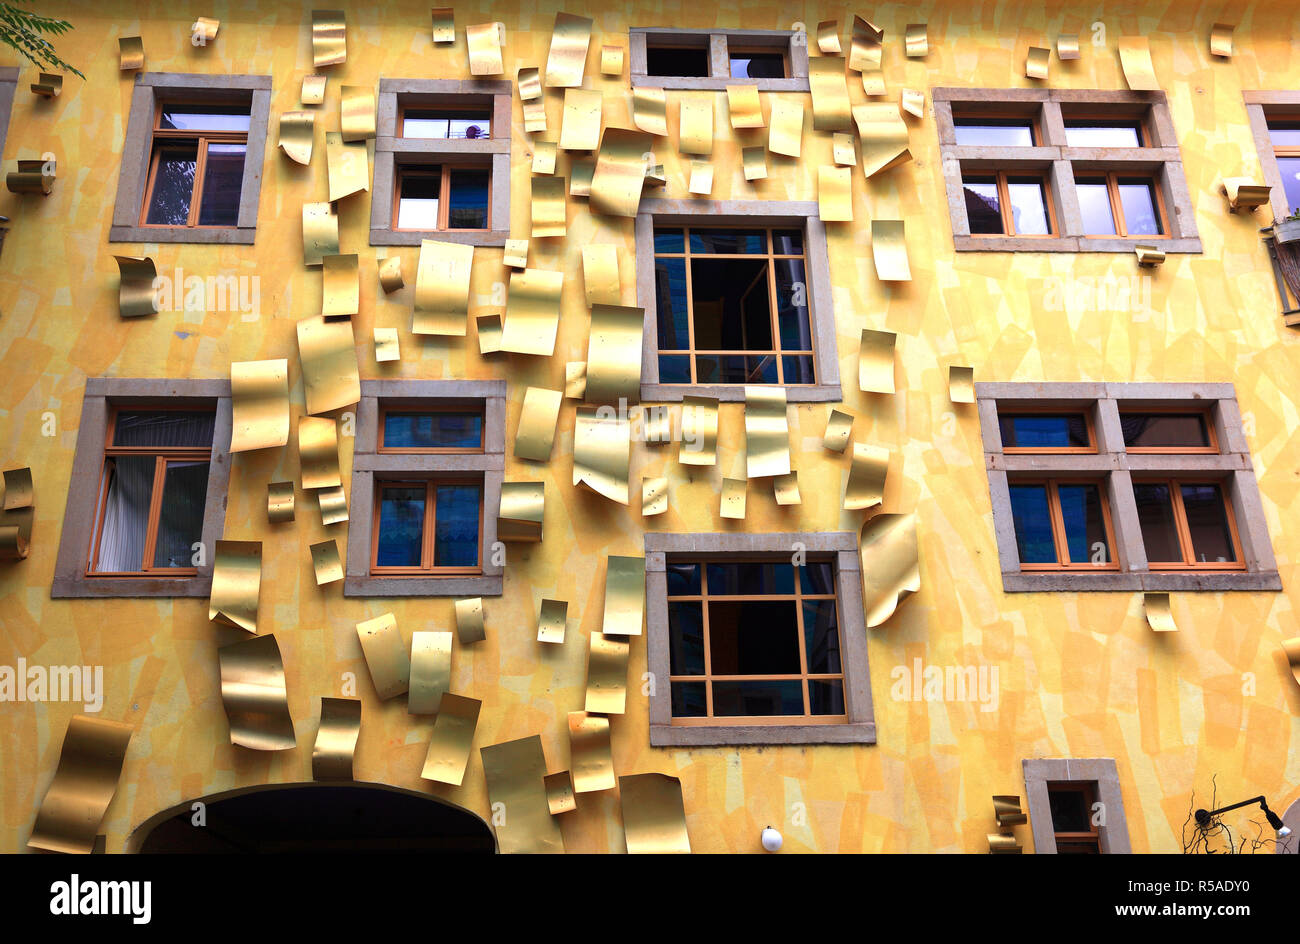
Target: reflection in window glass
467,202
1101,134
180,517
1138,199
1044,431
990,133
1094,206
1289,167
417,206
757,65
1028,207
1032,517
456,526
401,526
223,180
463,125
433,430
1156,517
173,187
1207,523
1164,430
1084,523
983,206
180,117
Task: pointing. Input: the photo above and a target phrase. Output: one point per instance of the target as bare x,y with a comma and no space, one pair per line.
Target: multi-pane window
758,63
467,123
1114,204
1284,134
1008,204
981,130
1082,131
1073,821
196,166
773,60
1186,524
442,197
684,59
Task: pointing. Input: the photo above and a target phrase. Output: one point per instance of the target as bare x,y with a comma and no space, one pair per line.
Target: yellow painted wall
1081,674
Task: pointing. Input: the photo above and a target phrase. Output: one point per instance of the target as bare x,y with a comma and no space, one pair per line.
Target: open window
772,60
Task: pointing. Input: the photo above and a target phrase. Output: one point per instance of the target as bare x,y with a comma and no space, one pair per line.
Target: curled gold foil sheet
206,27
552,621
1149,256
591,759
30,177
390,275
313,90
469,621
522,507
1221,40
516,783
1036,62
1291,650
534,116
731,502
654,495
320,232
600,278
1067,46
830,94
785,127
485,41
327,350
699,431
326,563
559,793
1006,810
453,736
259,393
279,502
867,46
883,135
532,312
130,53
961,384
1135,60
889,250
49,85
913,102
581,172
14,544
318,452
755,161
567,60
580,124
537,419
624,596
614,353
90,765
786,488
607,659
297,129
340,285
619,174
655,176
890,564
654,817
386,655
329,38
575,380
548,208
443,22
656,425
1244,194
1004,844
333,504
19,490
744,107
876,361
602,448
916,40
828,37
838,430
842,149
695,124
866,477
767,432
489,333
336,739
135,292
254,695
529,82
701,178
442,288
544,157
835,194
1158,612
236,584
873,83
650,110
516,254
611,60
357,112
430,671
347,165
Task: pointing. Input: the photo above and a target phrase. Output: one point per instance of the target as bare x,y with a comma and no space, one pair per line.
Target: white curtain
126,513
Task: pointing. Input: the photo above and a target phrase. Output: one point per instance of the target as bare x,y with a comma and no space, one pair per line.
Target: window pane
1094,205
436,430
686,638
787,242
417,208
1285,134
826,697
1138,198
1033,524
670,296
732,305
735,369
1028,207
455,532
223,179
817,577
674,368
983,208
173,186
1207,521
995,133
204,117
1044,431
1085,526
798,370
401,526
125,514
728,241
669,240
468,200
753,637
1070,809
1156,515
735,699
689,700
750,578
178,428
669,60
821,637
1098,134
180,521
683,580
1289,167
1164,430
792,305
468,124
757,65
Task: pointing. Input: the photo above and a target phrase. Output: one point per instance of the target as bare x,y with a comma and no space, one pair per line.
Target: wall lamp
1205,817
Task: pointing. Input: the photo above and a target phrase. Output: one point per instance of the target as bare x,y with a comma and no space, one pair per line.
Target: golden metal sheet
890,564
876,361
430,671
516,783
767,432
329,38
516,254
390,277
535,116
731,500
867,474
701,178
548,208
611,60
1243,193
326,563
581,172
1135,60
90,765
830,94
259,395
1291,650
552,620
755,161
607,659
443,23
347,165
656,425
318,452
916,40
485,41
699,431
575,380
835,194
1067,46
386,655
279,502
786,488
591,758
912,102
744,107
537,419
655,176
867,46
452,739
1149,257
1158,612
313,90
580,124
254,695
619,175
1007,812
442,279
883,135
336,738
327,351
1004,844
602,448
357,112
14,544
297,129
130,53
135,292
333,504
236,584
489,333
695,124
654,495
654,817
559,793
20,492
873,83
567,60
828,37
1221,40
614,354
469,621
842,149
340,285
961,384
544,153
785,126
600,276
529,82
49,85
650,110
624,596
838,430
520,517
32,177
320,232
1036,62
532,312
889,250
205,27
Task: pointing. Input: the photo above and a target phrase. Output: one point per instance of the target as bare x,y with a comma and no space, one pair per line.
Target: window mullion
200,171
690,307
155,513
430,522
1180,522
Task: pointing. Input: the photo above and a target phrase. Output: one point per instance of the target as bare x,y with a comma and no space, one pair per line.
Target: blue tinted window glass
674,368
669,240
686,638
670,297
433,430
455,537
1044,431
401,526
1085,528
1033,522
468,201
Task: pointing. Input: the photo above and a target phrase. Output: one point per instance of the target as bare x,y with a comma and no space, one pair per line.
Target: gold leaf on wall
85,781
254,695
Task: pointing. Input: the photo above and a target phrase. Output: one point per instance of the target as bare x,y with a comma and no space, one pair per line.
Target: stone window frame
368,462
1260,106
8,87
1053,157
792,214
391,150
842,548
102,393
1232,465
1112,835
717,41
137,152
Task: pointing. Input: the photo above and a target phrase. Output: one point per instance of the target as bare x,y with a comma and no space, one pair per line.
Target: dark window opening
757,65
1045,431
677,61
1071,803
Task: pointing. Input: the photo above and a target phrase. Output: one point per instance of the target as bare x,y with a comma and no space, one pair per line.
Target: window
989,131
664,59
197,167
1004,204
1062,524
426,527
1113,205
773,60
757,63
1072,804
1084,132
1284,135
1186,524
1076,806
1275,125
431,431
448,123
1046,432
1170,431
443,197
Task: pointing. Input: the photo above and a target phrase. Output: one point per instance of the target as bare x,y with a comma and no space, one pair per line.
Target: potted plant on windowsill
1287,229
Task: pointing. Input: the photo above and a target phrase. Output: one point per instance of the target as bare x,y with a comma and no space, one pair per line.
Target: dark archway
325,816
